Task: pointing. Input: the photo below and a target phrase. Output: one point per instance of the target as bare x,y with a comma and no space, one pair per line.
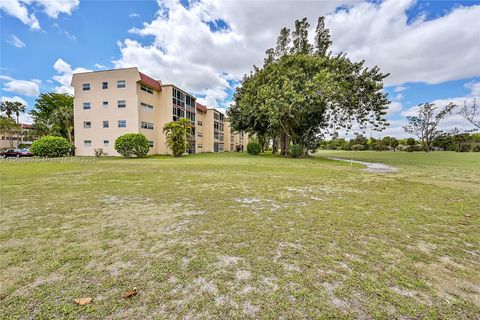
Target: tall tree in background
283,43
322,38
471,113
270,56
11,108
424,124
300,38
53,115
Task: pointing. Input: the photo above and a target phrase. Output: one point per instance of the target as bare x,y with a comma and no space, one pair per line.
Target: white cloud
474,88
14,99
20,9
29,88
64,76
431,51
400,88
24,117
394,107
100,66
54,8
16,42
134,15
185,51
398,97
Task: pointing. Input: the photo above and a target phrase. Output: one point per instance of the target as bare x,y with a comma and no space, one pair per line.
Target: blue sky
431,48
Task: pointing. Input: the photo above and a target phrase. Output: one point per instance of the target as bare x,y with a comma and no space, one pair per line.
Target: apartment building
110,103
14,139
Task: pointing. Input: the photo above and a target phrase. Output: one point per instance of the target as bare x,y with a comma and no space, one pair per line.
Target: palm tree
177,133
13,107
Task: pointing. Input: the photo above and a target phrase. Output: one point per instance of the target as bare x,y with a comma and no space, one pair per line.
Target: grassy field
238,236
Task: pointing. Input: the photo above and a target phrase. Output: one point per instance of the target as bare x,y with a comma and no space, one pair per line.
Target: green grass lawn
237,236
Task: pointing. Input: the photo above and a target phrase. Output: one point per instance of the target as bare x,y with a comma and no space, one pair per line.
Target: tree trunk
18,132
284,144
274,144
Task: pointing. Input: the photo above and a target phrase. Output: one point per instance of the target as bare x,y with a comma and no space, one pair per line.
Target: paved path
370,166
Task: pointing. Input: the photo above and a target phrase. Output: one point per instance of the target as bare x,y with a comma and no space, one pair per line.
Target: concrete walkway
370,166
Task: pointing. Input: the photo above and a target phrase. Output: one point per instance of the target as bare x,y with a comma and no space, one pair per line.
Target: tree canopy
53,115
301,93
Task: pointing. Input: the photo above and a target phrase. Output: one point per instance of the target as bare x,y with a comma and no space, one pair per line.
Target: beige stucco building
15,139
110,103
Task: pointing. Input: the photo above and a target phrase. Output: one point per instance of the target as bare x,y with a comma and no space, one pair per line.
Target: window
122,123
146,107
86,106
87,124
200,123
104,85
105,143
146,125
121,84
150,143
199,146
87,143
86,86
178,113
105,104
105,124
191,117
122,104
146,89
200,135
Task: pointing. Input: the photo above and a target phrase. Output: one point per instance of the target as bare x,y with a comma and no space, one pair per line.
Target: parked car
16,153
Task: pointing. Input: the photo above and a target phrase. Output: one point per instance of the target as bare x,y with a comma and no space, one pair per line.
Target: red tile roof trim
157,85
201,107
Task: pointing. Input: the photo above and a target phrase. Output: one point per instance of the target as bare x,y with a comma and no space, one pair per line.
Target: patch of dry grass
237,236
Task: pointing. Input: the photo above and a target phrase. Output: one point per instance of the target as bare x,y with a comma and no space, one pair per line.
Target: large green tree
53,115
301,96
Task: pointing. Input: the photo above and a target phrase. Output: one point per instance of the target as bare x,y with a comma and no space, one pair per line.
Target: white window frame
121,84
87,124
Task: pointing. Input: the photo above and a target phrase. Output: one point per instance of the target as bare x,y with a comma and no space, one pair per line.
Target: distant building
109,103
15,140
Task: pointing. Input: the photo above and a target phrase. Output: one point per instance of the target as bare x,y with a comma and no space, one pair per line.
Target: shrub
463,147
99,153
50,147
476,148
132,144
357,147
295,151
253,148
